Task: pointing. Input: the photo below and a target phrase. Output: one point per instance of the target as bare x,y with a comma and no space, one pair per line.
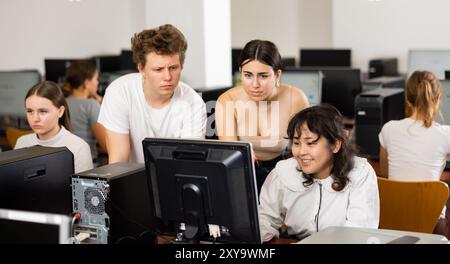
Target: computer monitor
340,86
235,54
325,57
310,81
126,61
288,61
107,63
25,227
36,179
198,183
14,85
210,96
447,75
435,61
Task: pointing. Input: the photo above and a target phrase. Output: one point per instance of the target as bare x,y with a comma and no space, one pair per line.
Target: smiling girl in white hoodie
323,184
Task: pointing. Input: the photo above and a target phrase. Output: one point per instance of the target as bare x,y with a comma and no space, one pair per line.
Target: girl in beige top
259,110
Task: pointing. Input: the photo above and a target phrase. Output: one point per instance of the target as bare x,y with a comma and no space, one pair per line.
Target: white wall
32,30
290,24
206,26
390,28
315,24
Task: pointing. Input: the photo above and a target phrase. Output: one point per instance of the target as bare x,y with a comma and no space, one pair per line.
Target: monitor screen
109,63
436,61
288,61
203,186
25,227
126,61
235,54
325,57
14,85
310,81
36,179
340,88
55,69
447,75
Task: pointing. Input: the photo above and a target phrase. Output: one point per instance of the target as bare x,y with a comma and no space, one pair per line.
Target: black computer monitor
210,96
55,69
340,86
235,54
325,57
309,81
36,179
196,183
14,85
107,63
126,61
288,62
447,75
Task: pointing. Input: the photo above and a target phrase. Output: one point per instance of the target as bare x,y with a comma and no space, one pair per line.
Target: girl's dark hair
326,121
263,51
76,74
52,92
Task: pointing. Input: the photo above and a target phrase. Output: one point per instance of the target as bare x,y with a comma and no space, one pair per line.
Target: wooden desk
376,166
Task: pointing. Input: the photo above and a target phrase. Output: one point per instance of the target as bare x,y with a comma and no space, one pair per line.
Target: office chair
411,206
12,134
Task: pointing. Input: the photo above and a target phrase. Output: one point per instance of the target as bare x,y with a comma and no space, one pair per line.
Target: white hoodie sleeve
364,202
270,216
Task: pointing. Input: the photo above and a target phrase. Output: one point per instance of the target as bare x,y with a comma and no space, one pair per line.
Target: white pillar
207,28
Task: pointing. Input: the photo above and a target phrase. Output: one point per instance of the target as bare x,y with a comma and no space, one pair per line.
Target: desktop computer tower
113,202
372,110
383,67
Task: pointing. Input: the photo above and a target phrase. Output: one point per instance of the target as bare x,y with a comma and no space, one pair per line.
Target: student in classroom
153,102
416,147
323,184
258,111
48,115
80,87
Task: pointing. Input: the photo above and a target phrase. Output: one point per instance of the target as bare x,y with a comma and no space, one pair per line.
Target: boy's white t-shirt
125,110
414,151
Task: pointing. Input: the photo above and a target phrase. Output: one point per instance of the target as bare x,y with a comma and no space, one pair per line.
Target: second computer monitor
309,81
340,88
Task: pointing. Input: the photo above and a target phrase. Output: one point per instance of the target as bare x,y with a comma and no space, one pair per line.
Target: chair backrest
12,134
411,205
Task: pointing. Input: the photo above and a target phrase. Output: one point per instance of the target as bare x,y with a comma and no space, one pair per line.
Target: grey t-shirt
83,115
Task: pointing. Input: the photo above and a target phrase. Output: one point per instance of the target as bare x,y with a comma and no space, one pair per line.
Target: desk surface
376,166
355,235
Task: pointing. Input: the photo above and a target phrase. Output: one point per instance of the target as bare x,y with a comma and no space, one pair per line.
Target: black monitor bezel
251,188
